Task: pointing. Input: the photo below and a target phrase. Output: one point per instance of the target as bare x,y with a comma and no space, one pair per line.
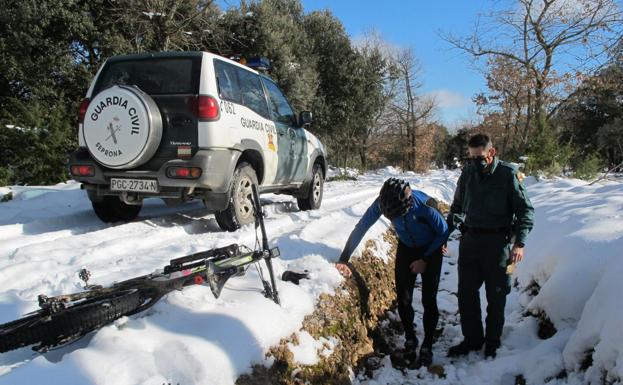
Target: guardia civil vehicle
192,125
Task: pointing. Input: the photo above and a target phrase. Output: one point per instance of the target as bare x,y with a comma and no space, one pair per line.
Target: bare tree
373,46
409,110
542,35
505,106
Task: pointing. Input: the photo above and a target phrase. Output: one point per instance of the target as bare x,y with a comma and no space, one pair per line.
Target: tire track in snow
47,262
118,252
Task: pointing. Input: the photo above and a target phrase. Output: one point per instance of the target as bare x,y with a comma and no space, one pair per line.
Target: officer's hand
516,254
343,269
444,249
418,267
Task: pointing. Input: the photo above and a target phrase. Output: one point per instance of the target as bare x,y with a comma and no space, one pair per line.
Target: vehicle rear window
154,75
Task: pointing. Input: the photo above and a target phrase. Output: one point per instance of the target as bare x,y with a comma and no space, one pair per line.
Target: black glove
294,277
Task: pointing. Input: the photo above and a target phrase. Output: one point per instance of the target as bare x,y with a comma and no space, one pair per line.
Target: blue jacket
422,226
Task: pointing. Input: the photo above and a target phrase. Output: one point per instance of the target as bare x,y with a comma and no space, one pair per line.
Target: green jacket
492,200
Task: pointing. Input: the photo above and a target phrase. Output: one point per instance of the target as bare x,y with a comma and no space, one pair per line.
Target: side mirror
305,118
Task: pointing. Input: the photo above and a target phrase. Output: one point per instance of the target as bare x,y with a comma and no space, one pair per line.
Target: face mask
479,162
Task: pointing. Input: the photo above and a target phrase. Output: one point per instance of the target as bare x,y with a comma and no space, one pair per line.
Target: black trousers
483,258
405,282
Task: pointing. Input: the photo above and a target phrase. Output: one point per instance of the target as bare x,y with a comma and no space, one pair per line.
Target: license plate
136,185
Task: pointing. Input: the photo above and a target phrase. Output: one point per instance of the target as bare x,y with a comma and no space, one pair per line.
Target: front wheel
112,209
239,211
50,330
314,198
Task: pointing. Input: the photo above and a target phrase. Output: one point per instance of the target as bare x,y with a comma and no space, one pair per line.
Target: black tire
112,209
239,211
314,197
67,325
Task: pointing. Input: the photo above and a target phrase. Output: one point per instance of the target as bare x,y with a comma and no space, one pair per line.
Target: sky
446,72
417,24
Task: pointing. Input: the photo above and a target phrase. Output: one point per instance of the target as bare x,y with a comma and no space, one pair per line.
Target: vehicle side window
227,80
252,92
279,107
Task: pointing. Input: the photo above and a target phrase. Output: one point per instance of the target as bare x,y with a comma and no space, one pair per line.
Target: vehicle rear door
173,83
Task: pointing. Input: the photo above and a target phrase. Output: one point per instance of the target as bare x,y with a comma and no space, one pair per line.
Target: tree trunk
539,106
362,155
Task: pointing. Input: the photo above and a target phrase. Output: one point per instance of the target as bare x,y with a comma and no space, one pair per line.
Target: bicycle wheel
49,330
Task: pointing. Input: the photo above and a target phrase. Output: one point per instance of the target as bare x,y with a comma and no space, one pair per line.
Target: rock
437,370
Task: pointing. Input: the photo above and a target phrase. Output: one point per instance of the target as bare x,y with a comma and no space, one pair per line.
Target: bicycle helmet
395,198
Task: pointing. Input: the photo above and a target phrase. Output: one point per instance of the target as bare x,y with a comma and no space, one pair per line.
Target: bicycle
64,319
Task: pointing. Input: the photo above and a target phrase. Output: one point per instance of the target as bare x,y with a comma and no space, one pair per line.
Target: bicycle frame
213,266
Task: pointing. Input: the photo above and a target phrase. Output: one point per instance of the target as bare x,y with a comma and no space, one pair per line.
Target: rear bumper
217,167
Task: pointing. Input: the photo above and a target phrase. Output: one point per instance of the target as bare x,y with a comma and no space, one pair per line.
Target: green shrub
5,176
35,142
341,177
548,156
589,167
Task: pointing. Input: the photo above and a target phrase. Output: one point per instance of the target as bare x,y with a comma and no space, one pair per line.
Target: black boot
426,356
410,355
463,349
491,349
411,345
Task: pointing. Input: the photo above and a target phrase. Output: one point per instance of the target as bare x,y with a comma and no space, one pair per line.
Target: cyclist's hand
343,269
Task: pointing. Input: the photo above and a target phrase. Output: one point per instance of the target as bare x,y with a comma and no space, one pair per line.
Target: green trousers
483,258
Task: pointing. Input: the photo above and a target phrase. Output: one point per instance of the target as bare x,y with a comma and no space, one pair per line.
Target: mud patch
350,317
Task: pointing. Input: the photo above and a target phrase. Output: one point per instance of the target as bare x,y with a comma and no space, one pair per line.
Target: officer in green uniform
493,213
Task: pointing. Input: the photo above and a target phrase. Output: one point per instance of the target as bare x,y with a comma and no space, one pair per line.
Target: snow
578,264
48,233
4,191
333,172
574,255
24,129
307,350
152,14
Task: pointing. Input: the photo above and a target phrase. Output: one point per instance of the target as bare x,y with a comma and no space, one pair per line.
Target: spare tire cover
122,127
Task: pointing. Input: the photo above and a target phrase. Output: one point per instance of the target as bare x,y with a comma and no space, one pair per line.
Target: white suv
192,125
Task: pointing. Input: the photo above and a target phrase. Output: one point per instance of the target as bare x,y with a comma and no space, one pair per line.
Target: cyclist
422,233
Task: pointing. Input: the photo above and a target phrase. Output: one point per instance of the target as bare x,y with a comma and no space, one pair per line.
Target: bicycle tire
49,330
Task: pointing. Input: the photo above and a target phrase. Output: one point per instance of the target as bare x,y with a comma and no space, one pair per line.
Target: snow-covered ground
48,234
575,255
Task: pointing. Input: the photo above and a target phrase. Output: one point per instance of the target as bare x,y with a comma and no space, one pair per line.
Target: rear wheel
239,211
314,198
112,209
49,330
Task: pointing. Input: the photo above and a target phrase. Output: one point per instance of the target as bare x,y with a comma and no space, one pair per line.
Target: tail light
82,170
207,108
83,110
184,172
